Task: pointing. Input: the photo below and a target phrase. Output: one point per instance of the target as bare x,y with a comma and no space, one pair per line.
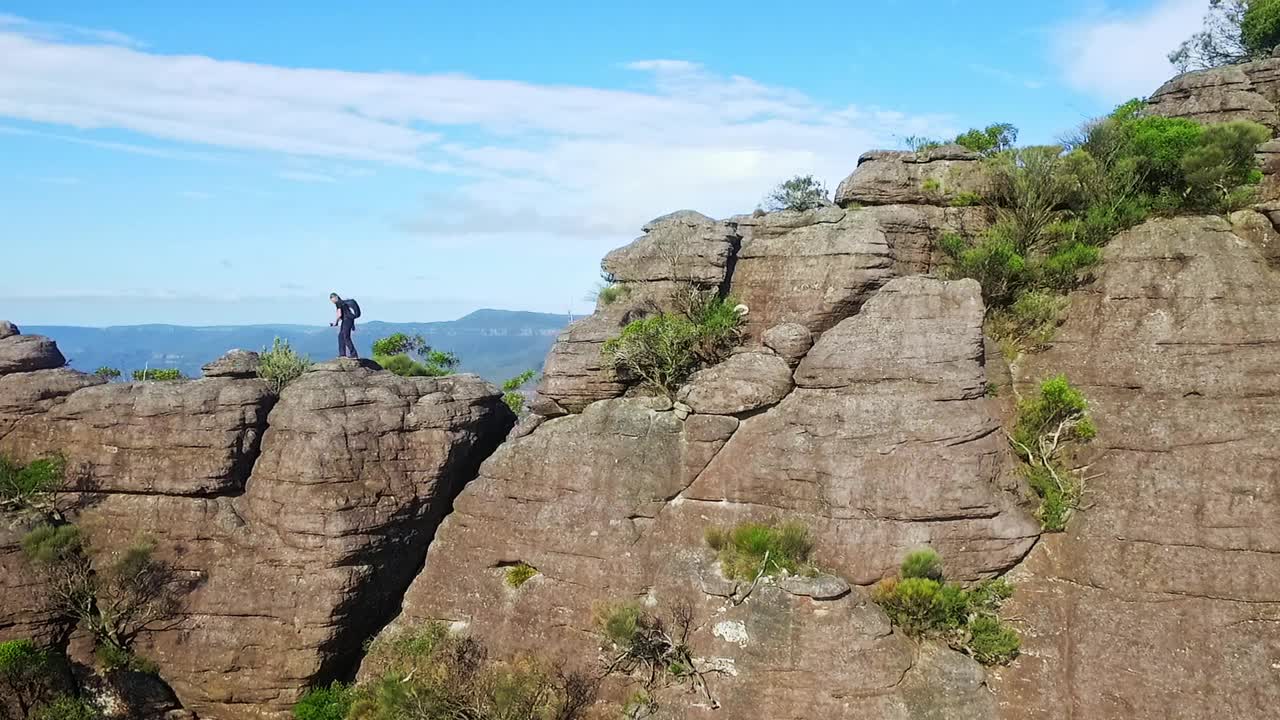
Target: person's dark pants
346,348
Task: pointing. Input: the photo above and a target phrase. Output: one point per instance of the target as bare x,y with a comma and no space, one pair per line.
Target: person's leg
344,341
351,346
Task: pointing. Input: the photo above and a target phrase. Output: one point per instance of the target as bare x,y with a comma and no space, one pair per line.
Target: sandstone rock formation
1234,92
1161,600
886,444
931,177
299,522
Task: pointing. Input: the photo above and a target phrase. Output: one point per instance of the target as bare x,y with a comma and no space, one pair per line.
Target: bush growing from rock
33,487
158,375
109,374
511,394
749,549
919,143
651,649
922,604
519,574
426,673
326,703
26,675
280,365
662,350
1049,426
802,192
66,707
411,356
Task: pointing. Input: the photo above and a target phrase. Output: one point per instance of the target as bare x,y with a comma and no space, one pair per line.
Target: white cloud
605,158
1118,56
63,31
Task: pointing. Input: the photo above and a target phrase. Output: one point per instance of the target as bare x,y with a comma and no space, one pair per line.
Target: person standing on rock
348,311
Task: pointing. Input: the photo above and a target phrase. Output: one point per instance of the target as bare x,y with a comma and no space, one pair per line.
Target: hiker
348,311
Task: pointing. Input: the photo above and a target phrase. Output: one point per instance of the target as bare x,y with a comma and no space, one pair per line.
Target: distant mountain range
495,344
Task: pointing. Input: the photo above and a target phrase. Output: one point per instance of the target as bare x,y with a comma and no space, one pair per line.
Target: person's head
333,298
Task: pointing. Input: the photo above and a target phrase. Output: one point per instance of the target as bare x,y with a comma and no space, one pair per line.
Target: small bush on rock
749,550
662,350
280,365
802,192
109,374
990,140
651,649
427,673
66,707
921,603
158,375
411,356
519,574
26,675
1049,427
33,487
326,703
511,394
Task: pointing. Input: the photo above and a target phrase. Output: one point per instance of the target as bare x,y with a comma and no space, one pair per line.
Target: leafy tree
1234,31
802,192
411,356
280,365
25,675
34,487
992,139
1050,425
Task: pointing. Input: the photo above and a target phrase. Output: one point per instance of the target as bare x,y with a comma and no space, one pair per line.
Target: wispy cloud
606,158
305,176
1006,77
65,32
1115,56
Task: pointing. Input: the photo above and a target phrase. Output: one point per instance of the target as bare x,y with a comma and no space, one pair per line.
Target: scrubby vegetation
34,487
66,707
1234,31
411,356
115,601
1050,426
511,394
519,574
27,677
802,192
664,348
1056,206
428,673
750,550
921,603
326,703
158,375
280,365
651,649
992,139
109,374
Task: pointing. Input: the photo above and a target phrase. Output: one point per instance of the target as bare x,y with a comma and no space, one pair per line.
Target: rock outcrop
1161,600
1233,92
886,444
932,177
299,522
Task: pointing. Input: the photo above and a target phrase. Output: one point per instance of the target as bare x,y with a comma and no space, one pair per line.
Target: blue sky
234,163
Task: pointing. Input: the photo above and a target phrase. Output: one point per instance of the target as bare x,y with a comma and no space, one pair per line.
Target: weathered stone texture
1162,597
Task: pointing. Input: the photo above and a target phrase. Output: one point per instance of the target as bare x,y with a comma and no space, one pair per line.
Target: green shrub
652,649
1260,26
519,574
922,564
919,144
325,703
931,186
993,261
425,673
107,373
921,604
611,293
1049,425
1029,323
20,659
411,356
280,365
1223,160
511,394
966,199
158,375
992,139
751,549
112,657
46,544
992,642
802,192
66,707
662,350
32,487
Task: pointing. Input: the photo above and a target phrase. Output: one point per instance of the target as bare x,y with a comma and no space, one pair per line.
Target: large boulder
682,247
932,177
24,353
1234,92
1162,596
613,503
298,528
745,382
233,364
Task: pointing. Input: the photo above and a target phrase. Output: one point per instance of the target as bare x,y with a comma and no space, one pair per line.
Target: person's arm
338,318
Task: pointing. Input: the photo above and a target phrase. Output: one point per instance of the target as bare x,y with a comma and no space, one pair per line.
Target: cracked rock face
1161,599
299,522
612,503
932,177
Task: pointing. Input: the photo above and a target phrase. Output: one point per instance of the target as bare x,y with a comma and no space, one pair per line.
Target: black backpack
353,307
